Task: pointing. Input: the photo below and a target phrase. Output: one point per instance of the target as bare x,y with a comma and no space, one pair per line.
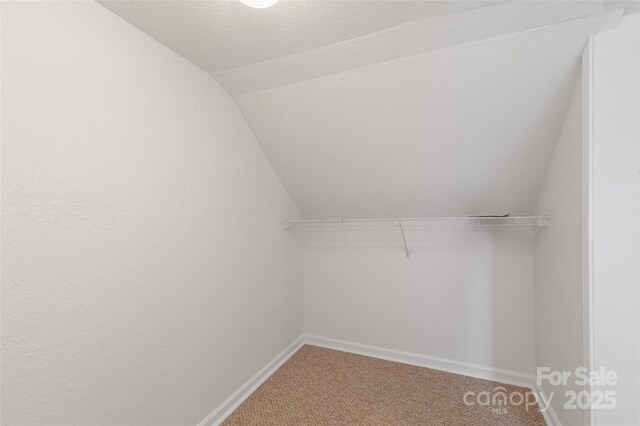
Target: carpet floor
318,386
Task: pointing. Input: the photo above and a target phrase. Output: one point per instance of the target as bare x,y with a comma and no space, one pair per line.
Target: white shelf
484,221
538,221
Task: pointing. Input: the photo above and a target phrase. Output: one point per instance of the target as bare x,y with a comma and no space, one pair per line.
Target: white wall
616,214
145,275
558,286
463,294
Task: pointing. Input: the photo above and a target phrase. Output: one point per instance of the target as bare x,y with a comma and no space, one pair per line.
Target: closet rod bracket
404,240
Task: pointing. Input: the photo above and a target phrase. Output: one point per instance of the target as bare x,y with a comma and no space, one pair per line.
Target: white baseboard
218,415
549,414
443,364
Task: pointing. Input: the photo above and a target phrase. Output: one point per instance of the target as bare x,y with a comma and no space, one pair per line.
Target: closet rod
465,220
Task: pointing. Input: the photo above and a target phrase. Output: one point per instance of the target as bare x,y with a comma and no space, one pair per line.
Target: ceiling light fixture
259,4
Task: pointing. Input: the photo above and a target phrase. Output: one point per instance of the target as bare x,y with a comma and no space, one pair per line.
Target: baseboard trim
218,415
420,360
549,414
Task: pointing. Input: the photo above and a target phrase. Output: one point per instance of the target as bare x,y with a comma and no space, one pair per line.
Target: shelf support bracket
404,240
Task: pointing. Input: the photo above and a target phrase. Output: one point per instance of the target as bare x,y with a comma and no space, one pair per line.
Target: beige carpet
318,386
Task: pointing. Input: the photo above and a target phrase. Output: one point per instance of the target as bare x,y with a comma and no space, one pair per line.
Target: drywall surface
463,130
410,39
463,294
247,50
616,215
558,286
145,275
222,35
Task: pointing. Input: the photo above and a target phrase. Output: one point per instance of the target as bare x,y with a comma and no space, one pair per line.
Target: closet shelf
540,221
484,221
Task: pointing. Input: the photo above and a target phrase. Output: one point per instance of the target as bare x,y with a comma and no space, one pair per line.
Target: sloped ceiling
374,109
222,35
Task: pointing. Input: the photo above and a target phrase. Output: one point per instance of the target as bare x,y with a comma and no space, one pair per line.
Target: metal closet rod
475,220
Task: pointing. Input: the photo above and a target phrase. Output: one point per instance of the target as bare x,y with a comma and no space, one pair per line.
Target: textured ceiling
391,108
412,38
221,35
